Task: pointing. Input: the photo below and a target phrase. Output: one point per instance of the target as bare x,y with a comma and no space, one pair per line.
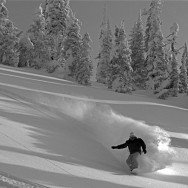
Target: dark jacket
134,145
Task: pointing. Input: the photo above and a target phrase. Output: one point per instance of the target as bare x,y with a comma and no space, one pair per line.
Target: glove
113,147
145,151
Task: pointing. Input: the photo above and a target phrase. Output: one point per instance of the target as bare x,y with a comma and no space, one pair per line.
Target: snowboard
133,173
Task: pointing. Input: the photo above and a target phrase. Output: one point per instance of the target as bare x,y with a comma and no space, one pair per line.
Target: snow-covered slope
59,134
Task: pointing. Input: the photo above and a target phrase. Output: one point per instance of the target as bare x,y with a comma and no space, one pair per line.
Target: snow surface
59,134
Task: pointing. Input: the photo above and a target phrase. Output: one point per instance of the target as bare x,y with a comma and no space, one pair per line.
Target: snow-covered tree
72,45
9,38
37,34
120,69
148,28
183,85
174,74
138,53
26,51
106,44
55,14
170,85
84,67
113,68
155,60
185,56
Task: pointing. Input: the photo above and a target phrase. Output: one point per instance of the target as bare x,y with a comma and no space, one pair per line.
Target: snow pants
132,160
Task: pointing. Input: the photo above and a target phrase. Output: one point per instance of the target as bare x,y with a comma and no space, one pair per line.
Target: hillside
59,134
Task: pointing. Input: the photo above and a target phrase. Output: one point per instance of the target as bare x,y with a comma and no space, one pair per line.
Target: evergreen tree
113,68
55,14
120,65
106,45
185,55
84,67
170,85
138,54
72,45
174,74
37,34
148,29
183,72
9,38
155,60
25,48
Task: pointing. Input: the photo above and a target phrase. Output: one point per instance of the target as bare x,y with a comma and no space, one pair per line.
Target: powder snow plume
110,128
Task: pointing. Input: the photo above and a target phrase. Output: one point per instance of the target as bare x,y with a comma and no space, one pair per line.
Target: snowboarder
134,144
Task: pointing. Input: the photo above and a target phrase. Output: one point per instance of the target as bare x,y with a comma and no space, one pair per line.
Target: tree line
52,42
144,60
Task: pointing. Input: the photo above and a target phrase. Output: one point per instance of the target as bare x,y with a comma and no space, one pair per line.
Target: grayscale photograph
93,94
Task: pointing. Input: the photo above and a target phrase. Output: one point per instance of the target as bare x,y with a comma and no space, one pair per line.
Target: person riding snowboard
134,144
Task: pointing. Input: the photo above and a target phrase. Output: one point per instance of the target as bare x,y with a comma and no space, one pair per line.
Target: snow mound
110,128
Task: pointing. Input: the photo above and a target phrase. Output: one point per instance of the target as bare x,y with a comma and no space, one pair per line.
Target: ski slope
59,134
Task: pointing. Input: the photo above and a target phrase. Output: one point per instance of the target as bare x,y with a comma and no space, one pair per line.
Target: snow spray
110,128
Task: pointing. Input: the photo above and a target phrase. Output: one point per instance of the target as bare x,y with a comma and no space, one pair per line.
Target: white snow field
59,134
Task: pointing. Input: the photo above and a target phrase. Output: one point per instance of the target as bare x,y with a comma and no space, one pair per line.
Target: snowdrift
110,128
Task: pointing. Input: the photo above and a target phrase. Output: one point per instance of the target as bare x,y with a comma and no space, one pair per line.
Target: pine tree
148,29
120,65
186,65
183,86
174,74
185,55
72,45
9,38
55,14
170,86
155,60
138,53
37,35
84,67
25,48
113,68
106,44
